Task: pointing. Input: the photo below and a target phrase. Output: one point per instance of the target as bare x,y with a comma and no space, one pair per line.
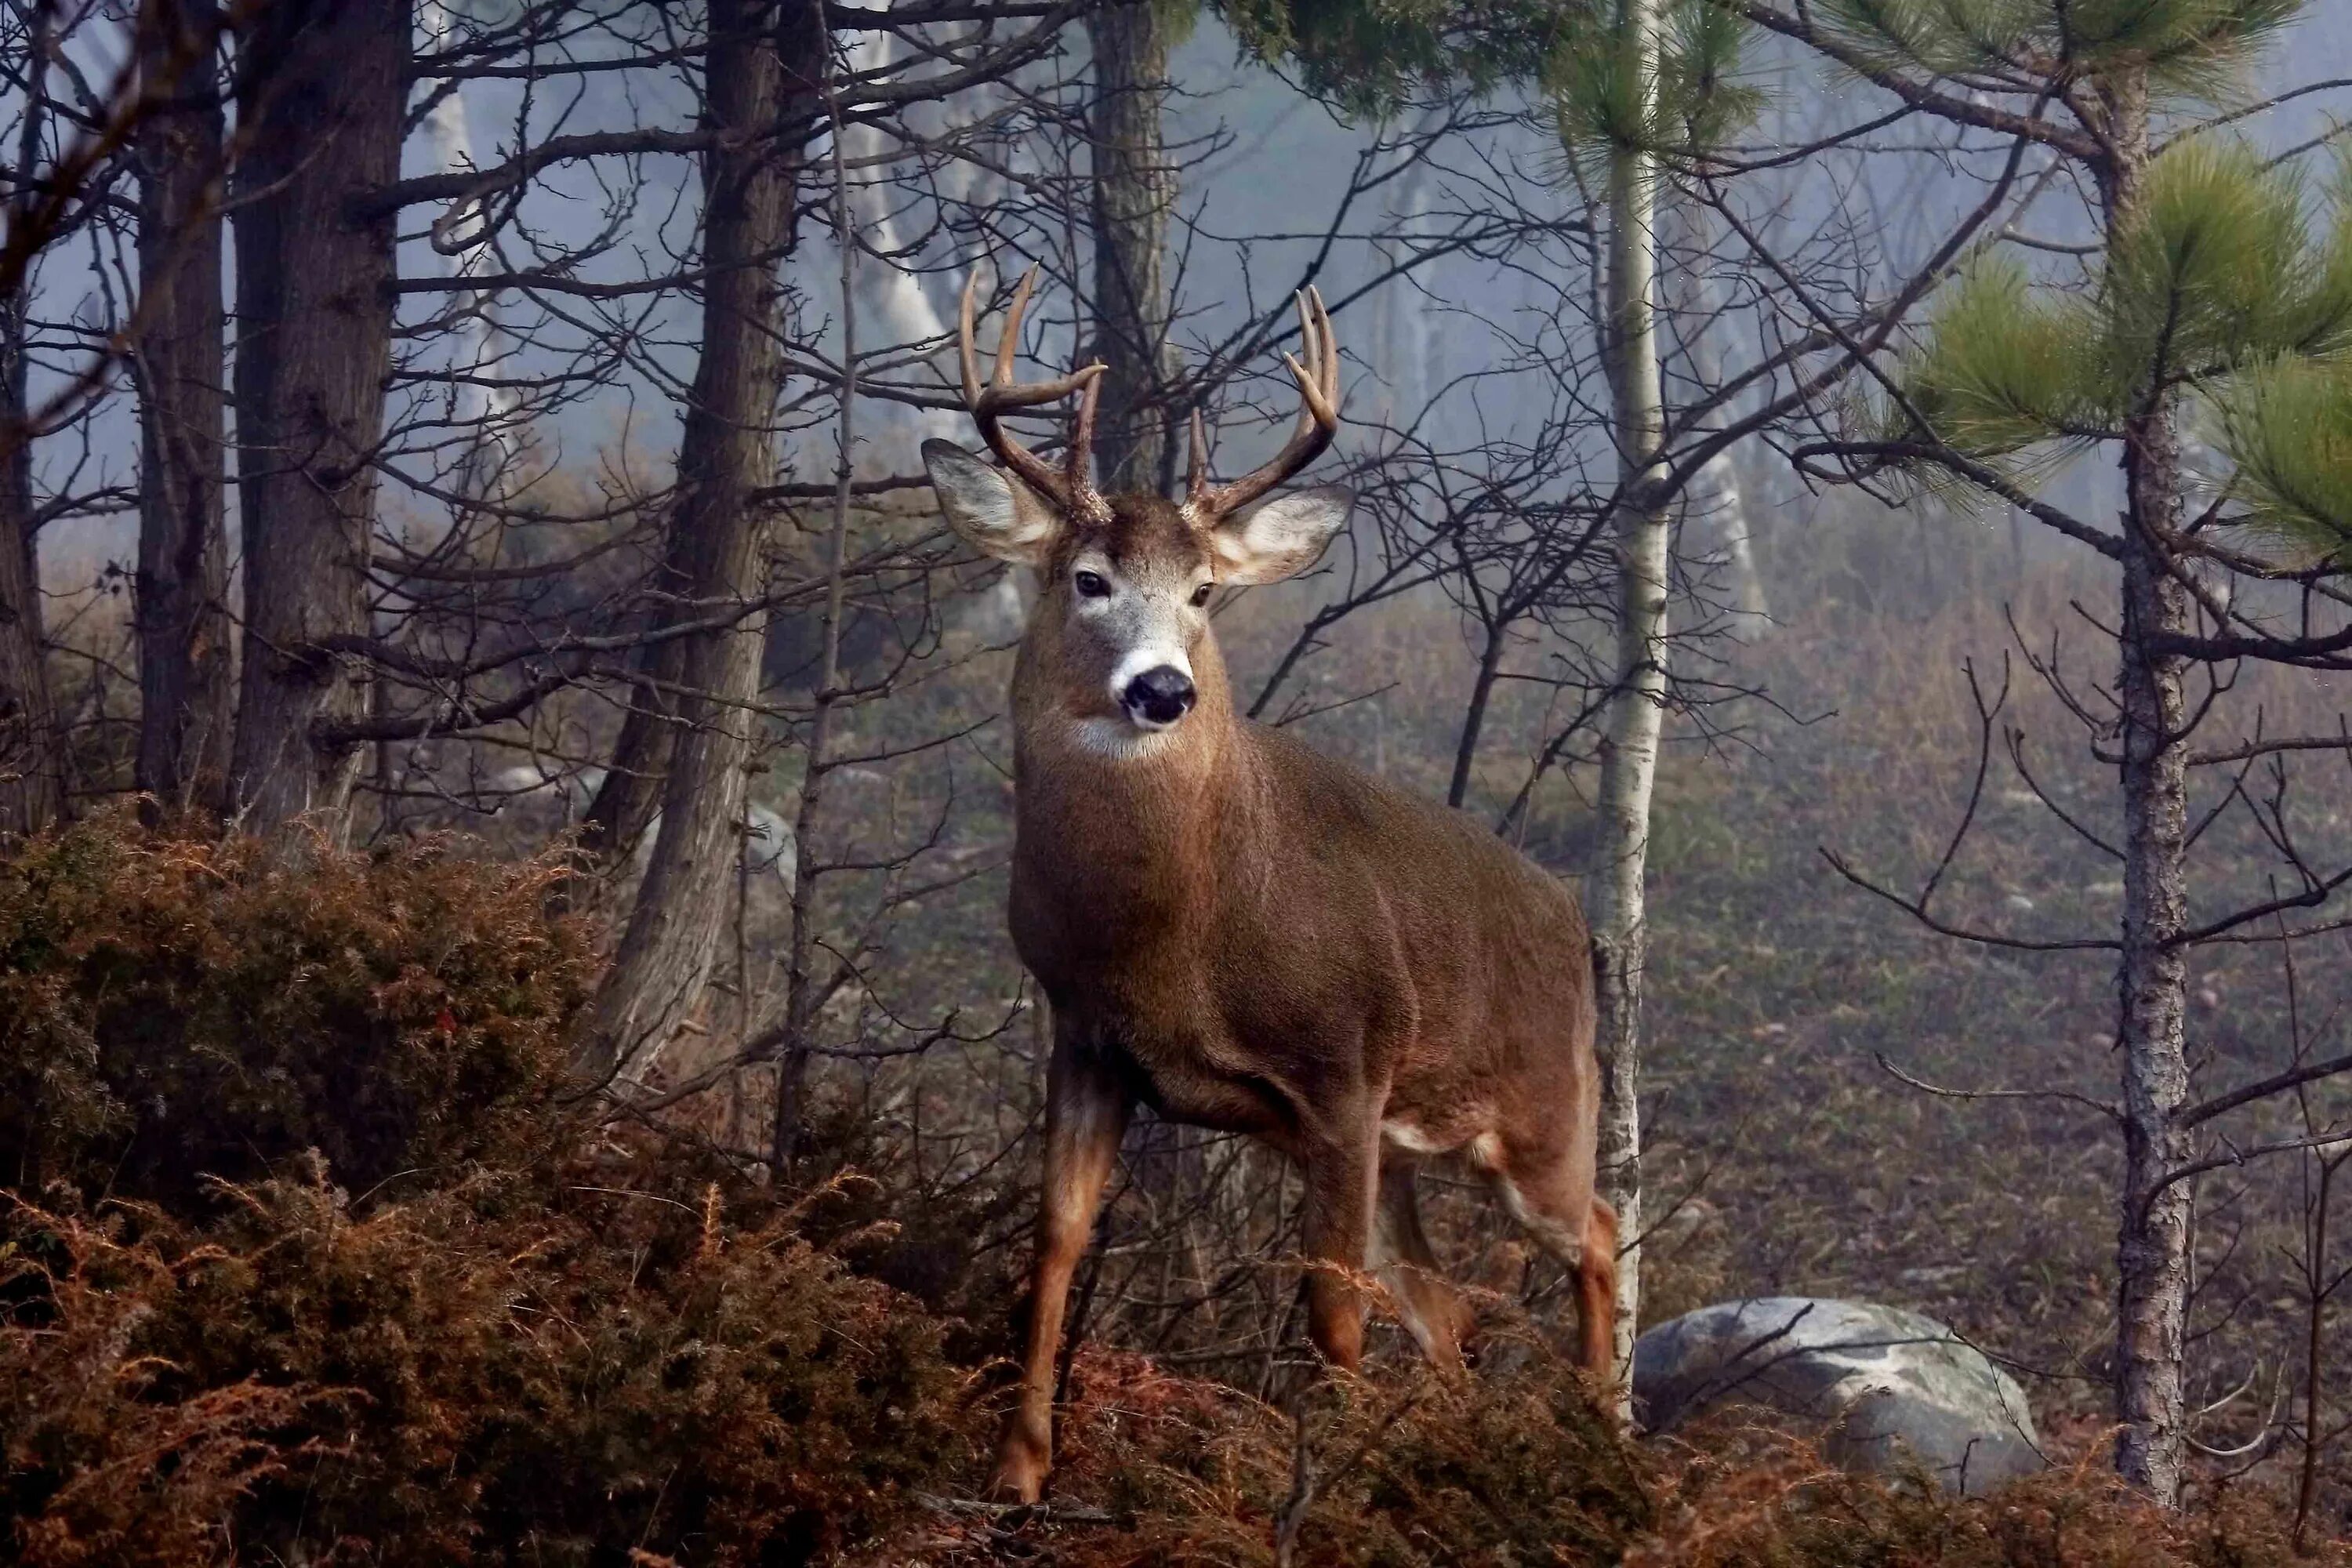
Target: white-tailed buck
1242,933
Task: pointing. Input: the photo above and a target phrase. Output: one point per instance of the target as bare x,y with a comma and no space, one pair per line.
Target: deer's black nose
1161,695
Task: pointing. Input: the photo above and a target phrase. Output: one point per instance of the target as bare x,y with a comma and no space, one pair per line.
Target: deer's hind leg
1435,1314
1550,1191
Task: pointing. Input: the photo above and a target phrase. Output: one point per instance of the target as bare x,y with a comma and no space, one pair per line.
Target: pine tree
2218,297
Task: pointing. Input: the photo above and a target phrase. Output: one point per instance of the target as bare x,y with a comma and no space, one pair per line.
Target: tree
2202,289
321,94
32,780
1614,895
181,368
763,65
1134,198
1714,496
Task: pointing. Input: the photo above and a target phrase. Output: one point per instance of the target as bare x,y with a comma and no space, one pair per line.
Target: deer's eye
1200,594
1090,585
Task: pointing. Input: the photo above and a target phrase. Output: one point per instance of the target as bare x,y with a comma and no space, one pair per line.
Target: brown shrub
496,1372
97,1462
172,1009
1501,1471
1407,1468
1757,1500
530,1341
526,1340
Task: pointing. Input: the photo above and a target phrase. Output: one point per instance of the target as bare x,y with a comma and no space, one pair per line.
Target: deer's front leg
1342,1171
1087,1110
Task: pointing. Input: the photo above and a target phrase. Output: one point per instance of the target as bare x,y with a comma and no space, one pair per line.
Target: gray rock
1886,1388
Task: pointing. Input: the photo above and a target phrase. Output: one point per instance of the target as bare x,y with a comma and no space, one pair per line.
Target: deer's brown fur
1247,935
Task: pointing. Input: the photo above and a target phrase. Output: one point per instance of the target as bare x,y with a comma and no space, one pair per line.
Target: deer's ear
993,512
1280,538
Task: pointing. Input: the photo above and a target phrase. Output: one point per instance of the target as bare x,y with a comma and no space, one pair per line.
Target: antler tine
1196,480
1076,463
967,356
1008,339
1318,420
1071,488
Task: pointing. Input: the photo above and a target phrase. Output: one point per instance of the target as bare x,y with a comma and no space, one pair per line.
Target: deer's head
1126,580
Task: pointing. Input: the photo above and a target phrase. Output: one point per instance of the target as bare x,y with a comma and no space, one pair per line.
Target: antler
1319,421
1072,489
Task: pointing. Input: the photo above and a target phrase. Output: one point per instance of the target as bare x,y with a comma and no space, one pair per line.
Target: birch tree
482,407
1629,754
1714,497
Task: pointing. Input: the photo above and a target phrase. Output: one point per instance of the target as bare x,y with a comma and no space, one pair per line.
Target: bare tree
181,367
1134,200
32,781
763,64
321,94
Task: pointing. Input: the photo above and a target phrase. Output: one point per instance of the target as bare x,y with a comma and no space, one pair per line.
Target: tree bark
484,410
2153,1234
1629,757
182,368
32,771
1134,197
1713,494
322,84
761,69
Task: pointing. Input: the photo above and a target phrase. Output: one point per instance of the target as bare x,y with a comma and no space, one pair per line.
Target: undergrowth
313,1260
312,1254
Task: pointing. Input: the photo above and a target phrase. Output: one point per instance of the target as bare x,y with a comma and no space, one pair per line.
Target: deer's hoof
1020,1475
1016,1481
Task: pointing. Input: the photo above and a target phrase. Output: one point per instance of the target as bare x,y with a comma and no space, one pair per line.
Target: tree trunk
761,71
1629,757
2153,1233
32,774
484,410
1474,716
893,309
2152,1240
322,84
1134,197
182,367
1713,495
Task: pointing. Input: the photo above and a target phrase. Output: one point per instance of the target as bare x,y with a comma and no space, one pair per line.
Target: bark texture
1134,197
322,84
182,365
761,74
32,772
1629,757
2153,1231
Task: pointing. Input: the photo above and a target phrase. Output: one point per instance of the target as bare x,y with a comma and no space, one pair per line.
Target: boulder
1885,1389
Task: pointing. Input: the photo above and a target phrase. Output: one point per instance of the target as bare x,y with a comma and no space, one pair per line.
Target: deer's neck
1121,832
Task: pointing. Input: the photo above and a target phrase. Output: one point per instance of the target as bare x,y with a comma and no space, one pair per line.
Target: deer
1245,934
